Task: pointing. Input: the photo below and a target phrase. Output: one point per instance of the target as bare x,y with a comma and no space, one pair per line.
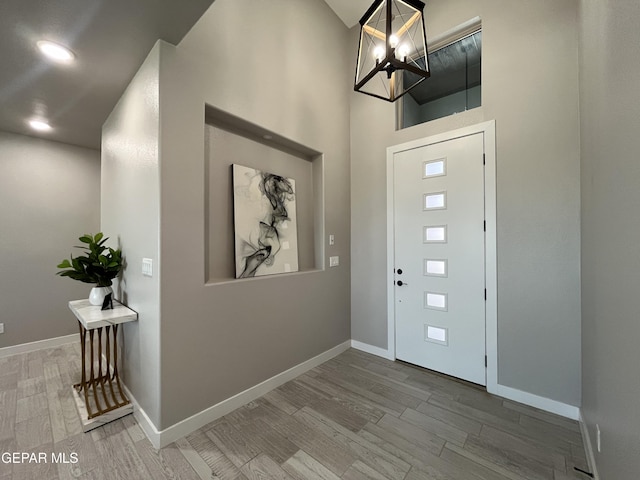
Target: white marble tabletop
92,317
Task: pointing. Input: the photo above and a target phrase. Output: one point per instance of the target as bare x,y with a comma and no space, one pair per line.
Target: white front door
439,241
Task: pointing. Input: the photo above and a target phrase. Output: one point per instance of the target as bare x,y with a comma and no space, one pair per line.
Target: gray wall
49,196
263,62
529,79
610,148
130,215
217,340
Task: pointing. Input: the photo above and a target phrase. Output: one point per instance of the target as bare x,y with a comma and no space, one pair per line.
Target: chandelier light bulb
403,52
379,52
393,41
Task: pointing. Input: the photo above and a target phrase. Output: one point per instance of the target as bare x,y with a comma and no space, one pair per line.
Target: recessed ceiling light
39,125
56,52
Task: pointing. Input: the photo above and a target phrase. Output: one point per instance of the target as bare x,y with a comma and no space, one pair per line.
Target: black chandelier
392,56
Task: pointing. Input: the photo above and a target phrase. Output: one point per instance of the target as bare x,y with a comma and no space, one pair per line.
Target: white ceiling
111,38
349,11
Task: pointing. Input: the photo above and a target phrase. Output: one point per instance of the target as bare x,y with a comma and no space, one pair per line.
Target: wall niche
231,140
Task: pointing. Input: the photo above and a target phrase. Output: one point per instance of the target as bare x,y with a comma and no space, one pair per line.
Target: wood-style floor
354,417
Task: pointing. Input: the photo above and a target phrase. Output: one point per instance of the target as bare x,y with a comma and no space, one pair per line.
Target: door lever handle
400,283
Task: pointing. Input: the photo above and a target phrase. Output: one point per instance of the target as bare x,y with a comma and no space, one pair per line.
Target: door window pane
435,201
435,301
435,234
435,268
434,168
436,335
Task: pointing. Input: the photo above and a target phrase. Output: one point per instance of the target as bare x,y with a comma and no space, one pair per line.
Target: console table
100,397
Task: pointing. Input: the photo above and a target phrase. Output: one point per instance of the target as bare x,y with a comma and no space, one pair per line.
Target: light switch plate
1,327
147,267
332,240
334,261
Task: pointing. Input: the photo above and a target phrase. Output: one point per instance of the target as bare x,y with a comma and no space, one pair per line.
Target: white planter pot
96,297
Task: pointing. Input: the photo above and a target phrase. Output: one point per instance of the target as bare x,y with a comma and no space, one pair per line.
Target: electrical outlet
1,327
598,441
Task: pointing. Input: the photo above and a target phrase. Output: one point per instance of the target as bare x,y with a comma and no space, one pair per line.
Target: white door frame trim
491,276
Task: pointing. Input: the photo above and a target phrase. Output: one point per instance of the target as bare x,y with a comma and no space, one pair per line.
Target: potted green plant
99,265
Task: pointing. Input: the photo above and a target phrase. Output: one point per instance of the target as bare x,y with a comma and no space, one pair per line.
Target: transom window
455,84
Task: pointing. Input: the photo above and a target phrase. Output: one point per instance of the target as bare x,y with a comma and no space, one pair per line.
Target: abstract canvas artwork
266,238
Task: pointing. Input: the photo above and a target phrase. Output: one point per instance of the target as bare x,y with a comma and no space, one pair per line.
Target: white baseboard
162,438
373,350
147,426
546,404
588,447
39,345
